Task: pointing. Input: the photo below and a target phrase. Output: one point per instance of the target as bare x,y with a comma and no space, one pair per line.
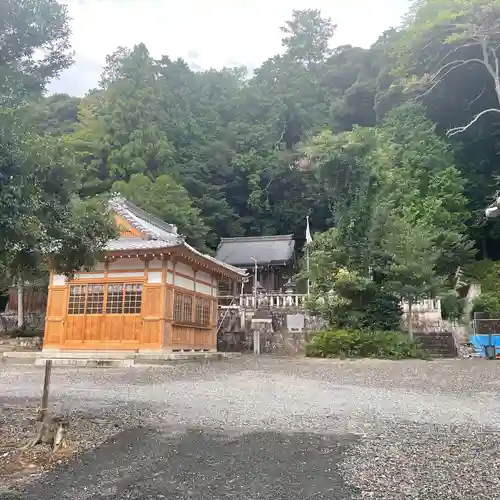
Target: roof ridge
131,212
277,237
150,217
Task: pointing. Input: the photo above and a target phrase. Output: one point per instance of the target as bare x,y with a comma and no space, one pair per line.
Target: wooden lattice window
183,308
124,298
114,302
76,304
202,311
178,307
133,299
95,299
187,309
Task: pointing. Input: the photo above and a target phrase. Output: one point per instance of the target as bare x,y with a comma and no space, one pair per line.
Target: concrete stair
438,344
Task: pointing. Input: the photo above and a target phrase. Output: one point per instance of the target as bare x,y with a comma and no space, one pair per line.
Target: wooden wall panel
75,327
53,333
167,339
202,339
182,337
152,333
57,303
112,328
192,338
153,301
132,328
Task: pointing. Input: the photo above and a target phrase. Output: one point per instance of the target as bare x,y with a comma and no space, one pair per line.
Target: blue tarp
480,341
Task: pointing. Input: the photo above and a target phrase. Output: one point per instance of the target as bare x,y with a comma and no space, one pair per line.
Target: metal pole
308,270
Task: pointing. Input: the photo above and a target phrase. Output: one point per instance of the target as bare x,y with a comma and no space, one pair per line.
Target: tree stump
51,430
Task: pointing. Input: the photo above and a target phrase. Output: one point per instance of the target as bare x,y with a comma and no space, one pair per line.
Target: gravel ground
274,428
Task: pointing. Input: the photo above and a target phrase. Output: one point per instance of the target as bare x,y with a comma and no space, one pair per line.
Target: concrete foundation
109,359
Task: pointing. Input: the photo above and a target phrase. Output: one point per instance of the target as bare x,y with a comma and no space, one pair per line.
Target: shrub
488,303
348,300
363,344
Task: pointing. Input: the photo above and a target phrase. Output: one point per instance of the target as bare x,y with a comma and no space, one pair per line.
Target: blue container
490,352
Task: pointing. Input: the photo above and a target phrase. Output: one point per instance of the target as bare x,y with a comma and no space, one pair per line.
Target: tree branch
456,49
437,78
459,130
486,59
276,146
495,59
477,97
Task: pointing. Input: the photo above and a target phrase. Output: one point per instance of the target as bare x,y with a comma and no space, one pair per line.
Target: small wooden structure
152,292
274,257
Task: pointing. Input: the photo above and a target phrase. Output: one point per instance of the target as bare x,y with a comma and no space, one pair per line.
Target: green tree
307,36
413,257
416,173
55,115
34,47
42,223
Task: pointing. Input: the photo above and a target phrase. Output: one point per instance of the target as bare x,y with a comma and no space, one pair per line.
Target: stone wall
282,332
33,321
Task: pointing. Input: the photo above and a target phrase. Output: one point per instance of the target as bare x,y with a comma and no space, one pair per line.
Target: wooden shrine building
274,257
151,292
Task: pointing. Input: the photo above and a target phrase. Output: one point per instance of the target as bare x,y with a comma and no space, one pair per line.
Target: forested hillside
352,137
220,152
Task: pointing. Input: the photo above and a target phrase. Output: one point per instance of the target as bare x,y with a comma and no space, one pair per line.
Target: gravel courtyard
271,428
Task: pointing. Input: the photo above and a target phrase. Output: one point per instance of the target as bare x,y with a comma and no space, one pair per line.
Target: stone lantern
289,286
493,210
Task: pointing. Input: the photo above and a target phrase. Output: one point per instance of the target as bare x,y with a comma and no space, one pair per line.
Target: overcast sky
207,33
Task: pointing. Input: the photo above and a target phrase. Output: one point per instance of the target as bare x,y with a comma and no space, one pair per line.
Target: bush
348,300
487,303
363,344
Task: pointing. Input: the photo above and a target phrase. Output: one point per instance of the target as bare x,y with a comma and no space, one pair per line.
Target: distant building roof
277,250
158,234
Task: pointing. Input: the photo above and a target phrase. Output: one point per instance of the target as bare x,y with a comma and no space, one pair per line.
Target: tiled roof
264,249
242,272
137,244
148,224
159,234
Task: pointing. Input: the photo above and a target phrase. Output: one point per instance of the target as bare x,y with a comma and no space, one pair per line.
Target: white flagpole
308,264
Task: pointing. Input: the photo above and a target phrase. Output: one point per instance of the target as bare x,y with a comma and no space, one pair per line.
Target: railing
271,300
426,305
277,300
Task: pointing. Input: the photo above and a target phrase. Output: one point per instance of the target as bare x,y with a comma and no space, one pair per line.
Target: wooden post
20,302
256,341
46,386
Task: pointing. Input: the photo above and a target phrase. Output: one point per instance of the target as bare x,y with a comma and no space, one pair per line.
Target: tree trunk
410,319
20,303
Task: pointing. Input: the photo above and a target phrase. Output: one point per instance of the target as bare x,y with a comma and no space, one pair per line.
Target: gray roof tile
265,249
160,234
